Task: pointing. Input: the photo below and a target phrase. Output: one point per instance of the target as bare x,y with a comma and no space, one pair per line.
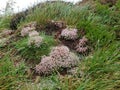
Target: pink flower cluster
35,41
28,28
69,34
59,57
25,31
33,34
34,38
81,47
46,66
68,62
60,52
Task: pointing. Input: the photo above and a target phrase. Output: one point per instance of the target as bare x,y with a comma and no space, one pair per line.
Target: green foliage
102,9
100,70
97,33
5,22
57,11
10,75
46,83
49,11
34,53
118,4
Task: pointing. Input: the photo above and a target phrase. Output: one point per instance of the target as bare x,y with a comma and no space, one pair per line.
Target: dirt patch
70,43
117,33
51,27
109,2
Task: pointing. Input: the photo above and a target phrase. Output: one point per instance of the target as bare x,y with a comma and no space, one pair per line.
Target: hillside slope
61,46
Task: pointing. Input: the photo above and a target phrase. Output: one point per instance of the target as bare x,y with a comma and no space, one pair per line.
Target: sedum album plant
28,28
60,52
100,70
46,66
35,41
33,48
25,31
81,47
33,34
69,33
59,57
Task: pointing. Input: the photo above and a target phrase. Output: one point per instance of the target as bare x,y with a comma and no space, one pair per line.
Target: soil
51,27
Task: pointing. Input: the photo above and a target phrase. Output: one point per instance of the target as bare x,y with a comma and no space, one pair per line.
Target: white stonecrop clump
33,34
26,30
69,34
35,41
34,38
60,52
60,57
81,47
46,66
68,62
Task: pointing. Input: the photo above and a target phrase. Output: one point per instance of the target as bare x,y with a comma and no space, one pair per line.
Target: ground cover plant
57,45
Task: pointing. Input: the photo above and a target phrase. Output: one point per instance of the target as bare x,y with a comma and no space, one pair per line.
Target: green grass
101,72
5,22
11,77
34,53
98,71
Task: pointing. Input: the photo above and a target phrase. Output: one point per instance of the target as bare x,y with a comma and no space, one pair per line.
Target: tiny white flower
36,41
81,46
69,33
25,31
60,57
33,34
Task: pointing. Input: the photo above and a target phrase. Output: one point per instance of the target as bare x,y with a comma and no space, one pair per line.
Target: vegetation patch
61,46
